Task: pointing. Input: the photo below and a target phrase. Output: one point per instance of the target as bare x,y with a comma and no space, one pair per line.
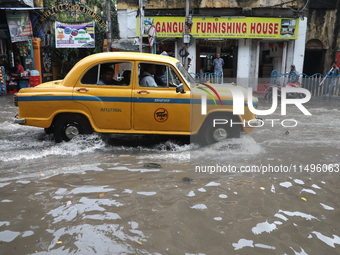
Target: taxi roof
95,59
129,56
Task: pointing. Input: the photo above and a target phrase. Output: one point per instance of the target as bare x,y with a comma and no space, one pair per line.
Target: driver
160,70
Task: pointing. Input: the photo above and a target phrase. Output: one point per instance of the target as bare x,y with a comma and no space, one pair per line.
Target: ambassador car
146,94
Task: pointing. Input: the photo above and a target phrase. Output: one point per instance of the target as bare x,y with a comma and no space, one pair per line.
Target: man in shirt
293,75
218,64
334,74
107,77
147,75
19,67
160,71
17,70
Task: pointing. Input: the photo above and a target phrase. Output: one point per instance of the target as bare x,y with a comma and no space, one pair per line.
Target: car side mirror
180,89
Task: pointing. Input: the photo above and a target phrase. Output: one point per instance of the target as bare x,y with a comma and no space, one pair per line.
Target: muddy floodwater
274,191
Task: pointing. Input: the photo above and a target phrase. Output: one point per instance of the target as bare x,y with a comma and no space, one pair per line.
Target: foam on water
34,144
246,146
30,148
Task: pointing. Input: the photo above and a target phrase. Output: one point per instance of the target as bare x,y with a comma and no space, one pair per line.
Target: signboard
230,27
151,35
20,26
70,35
67,7
46,66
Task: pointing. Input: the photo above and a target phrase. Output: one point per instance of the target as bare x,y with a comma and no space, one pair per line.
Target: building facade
322,38
16,32
253,37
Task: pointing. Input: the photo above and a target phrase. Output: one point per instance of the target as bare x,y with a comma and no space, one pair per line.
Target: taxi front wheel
210,134
70,125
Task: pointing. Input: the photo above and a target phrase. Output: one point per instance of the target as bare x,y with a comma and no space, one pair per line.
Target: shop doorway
314,62
229,54
314,57
207,52
270,58
166,46
206,55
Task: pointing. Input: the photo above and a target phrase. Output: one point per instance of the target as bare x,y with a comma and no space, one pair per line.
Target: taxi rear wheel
70,125
210,134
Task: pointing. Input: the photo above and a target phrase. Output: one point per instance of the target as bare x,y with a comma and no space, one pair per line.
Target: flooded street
278,192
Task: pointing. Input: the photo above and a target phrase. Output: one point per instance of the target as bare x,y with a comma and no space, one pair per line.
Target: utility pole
186,37
109,25
141,24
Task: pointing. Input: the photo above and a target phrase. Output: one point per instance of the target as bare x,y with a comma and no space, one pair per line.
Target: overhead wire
302,9
288,2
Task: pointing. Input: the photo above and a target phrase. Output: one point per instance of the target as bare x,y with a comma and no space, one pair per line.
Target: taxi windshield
190,80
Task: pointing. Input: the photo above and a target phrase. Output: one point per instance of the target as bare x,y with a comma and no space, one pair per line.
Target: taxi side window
173,78
158,76
109,73
90,76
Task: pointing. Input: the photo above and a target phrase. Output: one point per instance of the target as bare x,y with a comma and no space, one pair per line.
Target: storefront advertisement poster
46,57
68,35
20,26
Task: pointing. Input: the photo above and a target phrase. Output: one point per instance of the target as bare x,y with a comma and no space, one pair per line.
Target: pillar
299,49
37,55
244,62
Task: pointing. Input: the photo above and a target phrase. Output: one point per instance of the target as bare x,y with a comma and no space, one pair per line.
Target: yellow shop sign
229,27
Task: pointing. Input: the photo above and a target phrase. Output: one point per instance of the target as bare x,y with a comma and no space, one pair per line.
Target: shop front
16,49
207,50
250,46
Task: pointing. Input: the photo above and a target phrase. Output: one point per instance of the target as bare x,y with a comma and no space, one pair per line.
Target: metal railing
319,85
3,89
205,77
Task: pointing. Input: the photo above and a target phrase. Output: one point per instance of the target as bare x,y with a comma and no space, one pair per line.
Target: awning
127,44
16,3
21,8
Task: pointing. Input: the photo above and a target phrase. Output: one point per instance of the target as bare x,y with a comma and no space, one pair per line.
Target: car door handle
82,90
143,92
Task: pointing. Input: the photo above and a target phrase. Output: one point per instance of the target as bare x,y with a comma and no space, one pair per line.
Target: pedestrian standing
334,74
218,64
189,64
334,71
293,75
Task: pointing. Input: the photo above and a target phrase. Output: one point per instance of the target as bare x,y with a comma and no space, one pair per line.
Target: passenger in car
147,73
126,78
107,77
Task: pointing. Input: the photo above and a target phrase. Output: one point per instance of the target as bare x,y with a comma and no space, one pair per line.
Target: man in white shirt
147,76
218,64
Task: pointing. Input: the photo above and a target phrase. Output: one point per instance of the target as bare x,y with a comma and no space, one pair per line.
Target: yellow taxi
134,93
